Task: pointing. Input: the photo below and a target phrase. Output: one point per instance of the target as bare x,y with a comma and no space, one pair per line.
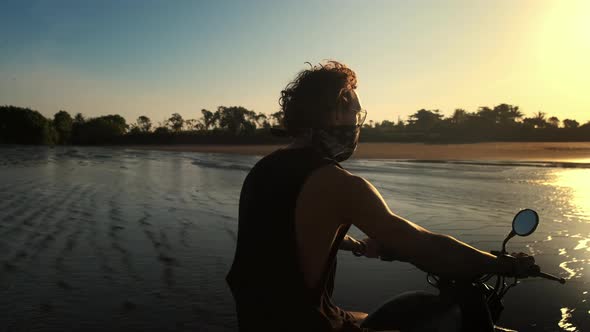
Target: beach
499,151
119,239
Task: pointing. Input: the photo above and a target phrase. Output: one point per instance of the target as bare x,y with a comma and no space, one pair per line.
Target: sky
155,58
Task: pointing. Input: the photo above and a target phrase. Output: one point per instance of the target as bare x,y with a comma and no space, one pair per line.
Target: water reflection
572,198
566,315
578,182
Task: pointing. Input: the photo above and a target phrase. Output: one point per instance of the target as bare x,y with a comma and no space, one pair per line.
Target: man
297,204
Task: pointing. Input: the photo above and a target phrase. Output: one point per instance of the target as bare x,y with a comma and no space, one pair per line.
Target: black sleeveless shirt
266,280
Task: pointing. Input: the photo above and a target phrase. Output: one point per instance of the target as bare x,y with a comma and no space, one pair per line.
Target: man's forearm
449,257
445,256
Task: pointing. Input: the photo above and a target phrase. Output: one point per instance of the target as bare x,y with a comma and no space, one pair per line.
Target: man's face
347,114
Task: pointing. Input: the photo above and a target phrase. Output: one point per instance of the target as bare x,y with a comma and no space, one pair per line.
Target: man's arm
406,241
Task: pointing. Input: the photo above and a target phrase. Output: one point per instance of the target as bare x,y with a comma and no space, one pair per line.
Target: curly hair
315,92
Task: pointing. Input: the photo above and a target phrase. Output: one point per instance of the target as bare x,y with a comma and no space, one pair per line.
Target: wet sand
500,151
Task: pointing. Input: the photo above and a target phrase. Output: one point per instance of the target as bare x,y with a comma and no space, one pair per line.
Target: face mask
337,142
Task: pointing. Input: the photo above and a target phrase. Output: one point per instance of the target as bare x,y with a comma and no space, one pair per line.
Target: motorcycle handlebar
549,276
497,253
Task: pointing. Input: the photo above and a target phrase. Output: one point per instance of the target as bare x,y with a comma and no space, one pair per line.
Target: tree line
238,125
234,124
503,122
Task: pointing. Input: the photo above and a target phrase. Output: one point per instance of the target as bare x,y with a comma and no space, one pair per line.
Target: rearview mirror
525,222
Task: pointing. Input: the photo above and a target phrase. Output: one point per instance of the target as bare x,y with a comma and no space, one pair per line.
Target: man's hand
367,247
520,265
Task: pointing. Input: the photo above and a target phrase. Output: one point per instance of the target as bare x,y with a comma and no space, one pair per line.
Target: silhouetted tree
568,123
209,119
144,124
77,125
400,125
101,130
199,125
134,129
235,119
277,118
63,122
459,116
175,122
553,122
25,126
424,120
260,119
251,117
486,116
506,115
79,118
386,124
537,121
194,124
161,130
233,124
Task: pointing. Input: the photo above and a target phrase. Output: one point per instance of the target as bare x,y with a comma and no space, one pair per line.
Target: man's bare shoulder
336,182
336,176
327,193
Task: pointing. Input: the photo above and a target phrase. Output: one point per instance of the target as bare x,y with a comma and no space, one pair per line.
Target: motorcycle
461,305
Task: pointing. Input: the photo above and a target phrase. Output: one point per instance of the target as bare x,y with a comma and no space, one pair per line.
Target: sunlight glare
579,181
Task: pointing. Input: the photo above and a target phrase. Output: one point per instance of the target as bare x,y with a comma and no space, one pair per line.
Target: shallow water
126,239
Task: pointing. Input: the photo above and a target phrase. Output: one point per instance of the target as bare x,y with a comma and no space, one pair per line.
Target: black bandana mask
336,142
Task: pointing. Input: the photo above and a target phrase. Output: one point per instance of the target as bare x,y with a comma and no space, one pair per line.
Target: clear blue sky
155,58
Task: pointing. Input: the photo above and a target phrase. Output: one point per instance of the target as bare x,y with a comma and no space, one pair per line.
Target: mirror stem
511,235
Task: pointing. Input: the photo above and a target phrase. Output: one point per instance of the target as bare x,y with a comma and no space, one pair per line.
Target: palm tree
537,121
507,114
488,115
539,116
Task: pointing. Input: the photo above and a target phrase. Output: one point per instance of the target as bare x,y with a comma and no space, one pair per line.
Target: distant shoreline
496,151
